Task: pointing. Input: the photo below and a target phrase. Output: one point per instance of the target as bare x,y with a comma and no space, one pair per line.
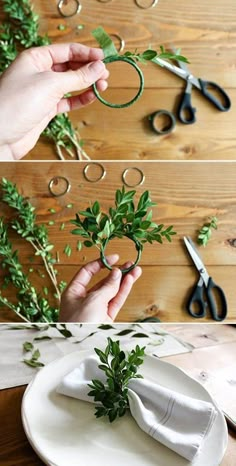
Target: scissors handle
223,107
214,306
196,305
186,112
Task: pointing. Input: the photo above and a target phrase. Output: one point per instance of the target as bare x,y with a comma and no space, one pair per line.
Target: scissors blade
183,74
196,259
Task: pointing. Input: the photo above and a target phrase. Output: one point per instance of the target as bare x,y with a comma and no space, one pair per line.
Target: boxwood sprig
123,220
205,233
119,369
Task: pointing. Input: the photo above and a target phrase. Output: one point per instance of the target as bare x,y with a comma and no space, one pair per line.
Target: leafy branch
31,306
25,225
119,370
206,231
21,31
124,220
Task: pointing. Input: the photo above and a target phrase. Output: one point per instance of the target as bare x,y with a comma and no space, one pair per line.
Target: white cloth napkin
177,421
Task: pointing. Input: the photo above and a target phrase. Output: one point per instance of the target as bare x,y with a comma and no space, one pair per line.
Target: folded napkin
177,421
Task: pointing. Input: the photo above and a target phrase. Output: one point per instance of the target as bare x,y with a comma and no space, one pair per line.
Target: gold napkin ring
153,3
54,181
100,177
125,173
77,10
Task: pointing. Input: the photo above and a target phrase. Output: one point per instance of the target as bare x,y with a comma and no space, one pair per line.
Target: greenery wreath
123,220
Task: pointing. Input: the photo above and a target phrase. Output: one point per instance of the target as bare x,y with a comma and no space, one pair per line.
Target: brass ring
54,180
86,168
121,42
154,3
61,4
126,171
104,1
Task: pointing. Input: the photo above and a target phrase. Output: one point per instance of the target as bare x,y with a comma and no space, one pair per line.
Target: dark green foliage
206,231
119,369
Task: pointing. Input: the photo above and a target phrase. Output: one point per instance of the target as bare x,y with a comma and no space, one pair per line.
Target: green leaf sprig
123,220
33,361
21,31
119,369
30,306
132,58
25,225
206,231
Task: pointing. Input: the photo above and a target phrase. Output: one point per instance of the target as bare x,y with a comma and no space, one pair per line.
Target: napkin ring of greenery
111,55
124,220
141,87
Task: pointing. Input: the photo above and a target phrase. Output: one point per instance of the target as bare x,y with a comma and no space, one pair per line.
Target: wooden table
186,194
206,33
214,344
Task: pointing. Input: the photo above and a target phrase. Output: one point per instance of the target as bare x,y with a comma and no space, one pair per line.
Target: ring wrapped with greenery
123,220
132,58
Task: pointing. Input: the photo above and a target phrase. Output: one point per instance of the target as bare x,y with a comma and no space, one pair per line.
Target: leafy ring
141,87
52,182
86,168
126,171
77,11
138,247
154,3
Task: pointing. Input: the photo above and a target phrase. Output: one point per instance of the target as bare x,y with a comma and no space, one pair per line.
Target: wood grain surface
206,32
186,194
215,345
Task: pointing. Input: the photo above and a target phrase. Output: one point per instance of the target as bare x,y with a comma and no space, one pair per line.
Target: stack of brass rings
77,10
141,77
54,181
152,4
139,171
86,170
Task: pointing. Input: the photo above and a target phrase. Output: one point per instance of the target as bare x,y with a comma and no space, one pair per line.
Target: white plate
64,431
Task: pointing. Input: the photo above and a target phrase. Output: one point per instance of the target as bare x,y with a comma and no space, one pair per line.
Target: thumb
111,285
76,80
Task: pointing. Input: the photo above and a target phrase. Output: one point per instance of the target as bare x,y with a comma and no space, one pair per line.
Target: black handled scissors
205,288
186,112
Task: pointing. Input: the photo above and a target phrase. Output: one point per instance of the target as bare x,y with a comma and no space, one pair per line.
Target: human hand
32,91
103,301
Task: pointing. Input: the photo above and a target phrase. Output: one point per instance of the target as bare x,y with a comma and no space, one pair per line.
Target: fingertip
115,274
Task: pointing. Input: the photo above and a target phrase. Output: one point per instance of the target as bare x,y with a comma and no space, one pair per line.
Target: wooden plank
206,34
161,292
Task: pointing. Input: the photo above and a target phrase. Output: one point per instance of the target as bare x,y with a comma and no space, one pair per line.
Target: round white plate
65,432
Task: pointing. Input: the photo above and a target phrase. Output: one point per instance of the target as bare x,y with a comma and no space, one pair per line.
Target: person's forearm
6,153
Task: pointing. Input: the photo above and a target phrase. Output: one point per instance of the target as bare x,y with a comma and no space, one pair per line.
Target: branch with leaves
21,31
124,220
132,58
119,369
206,231
30,306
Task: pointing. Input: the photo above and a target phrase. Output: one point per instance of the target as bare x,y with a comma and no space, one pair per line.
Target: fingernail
96,66
116,273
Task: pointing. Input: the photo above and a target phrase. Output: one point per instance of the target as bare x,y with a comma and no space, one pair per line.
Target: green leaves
33,361
119,370
206,231
123,219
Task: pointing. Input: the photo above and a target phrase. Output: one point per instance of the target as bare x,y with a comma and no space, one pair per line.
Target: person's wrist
6,153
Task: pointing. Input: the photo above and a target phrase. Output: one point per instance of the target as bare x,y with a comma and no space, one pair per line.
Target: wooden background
214,346
186,193
206,32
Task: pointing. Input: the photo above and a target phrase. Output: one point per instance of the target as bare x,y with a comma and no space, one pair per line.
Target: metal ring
141,87
61,4
138,248
121,41
54,180
154,3
86,168
104,1
170,115
126,171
